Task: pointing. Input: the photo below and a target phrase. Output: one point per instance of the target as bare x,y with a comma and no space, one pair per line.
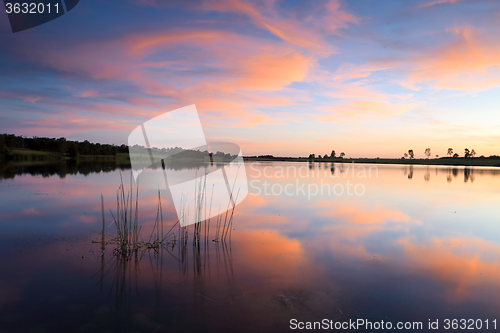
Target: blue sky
289,78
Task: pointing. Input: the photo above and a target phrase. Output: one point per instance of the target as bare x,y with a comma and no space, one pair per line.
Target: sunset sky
289,78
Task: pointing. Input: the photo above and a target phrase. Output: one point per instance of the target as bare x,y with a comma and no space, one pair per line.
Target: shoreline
444,161
28,157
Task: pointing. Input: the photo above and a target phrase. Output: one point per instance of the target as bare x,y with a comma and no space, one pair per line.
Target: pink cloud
438,2
470,61
31,211
32,99
90,93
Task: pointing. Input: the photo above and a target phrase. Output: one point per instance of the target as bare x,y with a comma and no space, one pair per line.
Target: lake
311,242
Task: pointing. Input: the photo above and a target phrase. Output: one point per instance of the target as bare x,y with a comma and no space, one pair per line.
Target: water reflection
451,172
418,244
62,169
121,274
10,170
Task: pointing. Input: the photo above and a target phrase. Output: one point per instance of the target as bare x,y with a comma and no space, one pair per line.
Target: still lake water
309,242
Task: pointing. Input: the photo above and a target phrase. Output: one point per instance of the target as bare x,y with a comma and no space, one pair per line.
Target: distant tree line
197,154
333,154
467,153
9,142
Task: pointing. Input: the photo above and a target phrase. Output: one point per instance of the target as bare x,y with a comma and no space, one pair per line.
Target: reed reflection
194,263
166,237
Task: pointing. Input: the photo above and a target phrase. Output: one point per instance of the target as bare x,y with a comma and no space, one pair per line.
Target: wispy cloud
362,110
438,2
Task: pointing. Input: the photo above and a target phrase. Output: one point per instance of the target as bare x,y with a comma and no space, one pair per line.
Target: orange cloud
468,63
355,220
462,263
363,109
242,65
269,251
273,71
248,63
376,215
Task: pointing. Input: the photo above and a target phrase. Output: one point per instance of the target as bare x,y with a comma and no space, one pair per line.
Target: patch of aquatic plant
127,238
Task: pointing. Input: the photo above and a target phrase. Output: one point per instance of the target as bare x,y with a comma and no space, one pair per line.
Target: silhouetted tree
410,152
450,152
326,156
405,155
467,153
3,148
342,155
472,153
311,156
61,145
10,142
73,150
122,149
332,155
427,152
455,155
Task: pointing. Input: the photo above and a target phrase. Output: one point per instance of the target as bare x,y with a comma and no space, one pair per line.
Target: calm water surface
310,242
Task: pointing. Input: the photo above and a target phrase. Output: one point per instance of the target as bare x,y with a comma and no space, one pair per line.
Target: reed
126,223
128,240
129,247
